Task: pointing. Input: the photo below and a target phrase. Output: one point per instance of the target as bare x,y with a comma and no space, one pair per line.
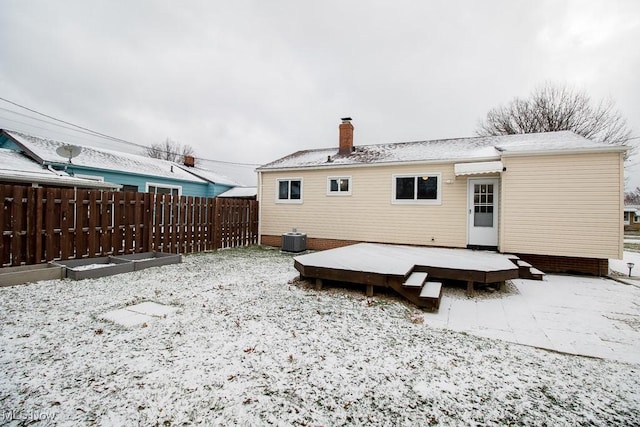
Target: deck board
397,260
384,265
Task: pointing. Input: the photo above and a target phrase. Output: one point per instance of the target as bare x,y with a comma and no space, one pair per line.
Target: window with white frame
636,218
174,190
416,189
339,185
289,190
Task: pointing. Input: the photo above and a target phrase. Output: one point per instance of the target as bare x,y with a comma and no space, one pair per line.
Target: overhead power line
91,132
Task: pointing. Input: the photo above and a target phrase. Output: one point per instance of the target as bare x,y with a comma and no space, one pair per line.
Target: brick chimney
346,137
189,161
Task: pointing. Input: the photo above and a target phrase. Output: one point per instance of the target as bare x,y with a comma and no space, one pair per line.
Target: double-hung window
289,190
339,186
416,189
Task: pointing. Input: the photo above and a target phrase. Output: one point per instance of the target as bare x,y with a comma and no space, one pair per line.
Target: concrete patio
586,316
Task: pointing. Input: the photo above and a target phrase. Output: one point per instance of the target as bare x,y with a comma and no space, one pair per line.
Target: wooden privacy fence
44,224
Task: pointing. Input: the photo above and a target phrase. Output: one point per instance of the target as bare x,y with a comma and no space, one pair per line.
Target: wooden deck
395,266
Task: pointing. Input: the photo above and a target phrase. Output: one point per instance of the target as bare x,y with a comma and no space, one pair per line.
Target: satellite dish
68,151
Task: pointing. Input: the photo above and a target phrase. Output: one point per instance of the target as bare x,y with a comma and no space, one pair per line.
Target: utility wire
82,129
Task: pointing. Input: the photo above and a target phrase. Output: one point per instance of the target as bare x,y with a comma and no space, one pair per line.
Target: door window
483,205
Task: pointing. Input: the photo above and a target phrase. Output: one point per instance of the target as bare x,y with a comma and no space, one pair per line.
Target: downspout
50,168
259,196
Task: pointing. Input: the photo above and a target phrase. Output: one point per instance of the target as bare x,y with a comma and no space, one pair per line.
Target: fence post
30,237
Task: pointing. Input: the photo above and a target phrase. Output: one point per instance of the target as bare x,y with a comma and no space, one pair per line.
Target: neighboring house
632,218
132,172
16,168
516,194
240,193
240,175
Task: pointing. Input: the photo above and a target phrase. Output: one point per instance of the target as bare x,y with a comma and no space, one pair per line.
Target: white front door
483,211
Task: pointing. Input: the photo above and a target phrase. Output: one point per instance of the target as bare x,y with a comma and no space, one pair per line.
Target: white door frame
484,234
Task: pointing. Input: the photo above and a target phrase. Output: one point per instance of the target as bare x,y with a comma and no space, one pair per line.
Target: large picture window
416,188
290,190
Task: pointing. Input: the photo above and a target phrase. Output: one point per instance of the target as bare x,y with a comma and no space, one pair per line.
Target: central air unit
294,242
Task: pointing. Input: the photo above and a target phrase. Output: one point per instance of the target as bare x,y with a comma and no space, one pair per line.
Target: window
339,185
174,190
636,218
289,190
416,189
131,188
627,218
483,205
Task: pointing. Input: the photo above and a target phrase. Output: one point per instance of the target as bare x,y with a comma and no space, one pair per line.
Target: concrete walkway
578,315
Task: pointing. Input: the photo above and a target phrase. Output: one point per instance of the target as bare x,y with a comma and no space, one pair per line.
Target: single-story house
249,193
632,217
554,199
132,172
18,169
234,176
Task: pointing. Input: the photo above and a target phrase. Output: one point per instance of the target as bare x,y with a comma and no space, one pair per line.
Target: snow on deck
399,260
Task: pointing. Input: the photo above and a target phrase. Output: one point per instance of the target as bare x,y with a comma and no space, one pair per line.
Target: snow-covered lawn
250,346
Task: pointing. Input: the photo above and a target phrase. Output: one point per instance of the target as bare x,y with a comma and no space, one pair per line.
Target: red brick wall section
312,243
572,265
545,263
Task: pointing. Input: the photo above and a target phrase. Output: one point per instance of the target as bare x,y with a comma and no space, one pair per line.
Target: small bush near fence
45,224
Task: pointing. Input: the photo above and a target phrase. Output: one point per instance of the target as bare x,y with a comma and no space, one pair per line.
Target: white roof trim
477,168
57,180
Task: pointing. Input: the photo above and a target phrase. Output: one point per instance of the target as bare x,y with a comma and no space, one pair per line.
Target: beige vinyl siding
564,205
368,214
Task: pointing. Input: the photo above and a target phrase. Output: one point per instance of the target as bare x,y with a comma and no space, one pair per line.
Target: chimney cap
346,119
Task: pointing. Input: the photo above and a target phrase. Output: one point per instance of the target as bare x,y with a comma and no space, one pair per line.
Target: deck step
523,264
431,290
415,280
513,258
536,274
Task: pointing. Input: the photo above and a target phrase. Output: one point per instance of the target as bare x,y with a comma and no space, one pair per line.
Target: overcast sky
251,81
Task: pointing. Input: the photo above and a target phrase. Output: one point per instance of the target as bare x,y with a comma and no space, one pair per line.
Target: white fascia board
374,164
583,150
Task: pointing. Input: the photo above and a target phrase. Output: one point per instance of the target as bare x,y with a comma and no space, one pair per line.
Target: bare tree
553,108
169,150
632,197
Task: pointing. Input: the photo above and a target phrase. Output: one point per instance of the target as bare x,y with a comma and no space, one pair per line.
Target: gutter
61,182
374,164
584,150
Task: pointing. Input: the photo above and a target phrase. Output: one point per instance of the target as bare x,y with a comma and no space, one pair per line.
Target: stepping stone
136,315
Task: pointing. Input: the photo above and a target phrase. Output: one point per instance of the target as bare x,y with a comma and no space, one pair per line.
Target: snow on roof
210,176
234,173
45,149
460,149
240,192
17,167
